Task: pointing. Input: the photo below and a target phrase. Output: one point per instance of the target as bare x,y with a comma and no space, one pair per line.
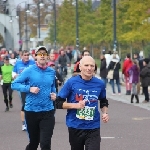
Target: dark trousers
104,80
40,127
90,138
6,87
145,91
23,98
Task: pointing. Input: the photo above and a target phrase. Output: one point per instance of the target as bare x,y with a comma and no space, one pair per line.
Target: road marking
108,137
141,118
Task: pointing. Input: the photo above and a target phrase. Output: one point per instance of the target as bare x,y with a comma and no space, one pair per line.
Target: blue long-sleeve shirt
21,65
36,77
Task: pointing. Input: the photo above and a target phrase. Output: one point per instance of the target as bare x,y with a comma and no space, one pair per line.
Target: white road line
108,137
141,118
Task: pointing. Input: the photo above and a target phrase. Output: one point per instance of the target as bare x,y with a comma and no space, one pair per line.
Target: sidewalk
125,98
122,98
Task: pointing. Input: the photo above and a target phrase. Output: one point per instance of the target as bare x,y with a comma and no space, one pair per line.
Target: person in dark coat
115,65
69,54
58,77
103,69
145,75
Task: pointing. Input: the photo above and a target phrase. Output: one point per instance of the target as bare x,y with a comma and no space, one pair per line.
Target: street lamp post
26,24
26,27
39,24
12,44
77,27
55,25
114,26
12,26
18,16
39,4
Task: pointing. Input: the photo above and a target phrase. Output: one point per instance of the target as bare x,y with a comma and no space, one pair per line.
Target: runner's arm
103,100
14,72
104,105
104,108
18,85
14,75
61,103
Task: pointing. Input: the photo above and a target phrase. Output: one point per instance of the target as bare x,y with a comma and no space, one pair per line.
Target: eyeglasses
86,54
26,55
41,54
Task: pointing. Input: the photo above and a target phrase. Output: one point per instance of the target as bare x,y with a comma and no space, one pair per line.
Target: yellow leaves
131,20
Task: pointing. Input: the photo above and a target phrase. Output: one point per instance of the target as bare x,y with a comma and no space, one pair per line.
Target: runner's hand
53,96
34,90
105,117
80,105
15,76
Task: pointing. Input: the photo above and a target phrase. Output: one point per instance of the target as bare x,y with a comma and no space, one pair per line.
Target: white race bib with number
87,113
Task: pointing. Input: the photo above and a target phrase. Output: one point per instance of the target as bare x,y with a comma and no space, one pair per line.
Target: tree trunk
131,49
143,49
119,49
92,51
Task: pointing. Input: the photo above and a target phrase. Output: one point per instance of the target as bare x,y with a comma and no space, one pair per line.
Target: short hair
84,52
146,60
128,55
109,52
25,51
137,54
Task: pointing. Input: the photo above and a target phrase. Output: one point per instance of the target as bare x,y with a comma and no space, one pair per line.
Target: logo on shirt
89,96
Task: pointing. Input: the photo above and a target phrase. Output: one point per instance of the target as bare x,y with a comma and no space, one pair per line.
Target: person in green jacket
6,79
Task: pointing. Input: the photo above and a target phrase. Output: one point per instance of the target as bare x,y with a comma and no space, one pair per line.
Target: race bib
87,113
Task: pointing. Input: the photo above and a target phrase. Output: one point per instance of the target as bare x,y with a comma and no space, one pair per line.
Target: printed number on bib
87,113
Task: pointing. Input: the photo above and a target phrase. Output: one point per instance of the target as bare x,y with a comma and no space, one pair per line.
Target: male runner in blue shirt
20,65
83,92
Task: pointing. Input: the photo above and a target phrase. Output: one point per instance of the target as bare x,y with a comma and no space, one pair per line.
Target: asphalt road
128,128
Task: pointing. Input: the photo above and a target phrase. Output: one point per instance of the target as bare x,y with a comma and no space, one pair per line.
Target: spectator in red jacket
126,66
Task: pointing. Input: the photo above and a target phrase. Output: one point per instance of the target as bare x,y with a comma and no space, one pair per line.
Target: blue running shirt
76,89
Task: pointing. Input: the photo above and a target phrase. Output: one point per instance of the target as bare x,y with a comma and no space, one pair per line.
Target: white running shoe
24,127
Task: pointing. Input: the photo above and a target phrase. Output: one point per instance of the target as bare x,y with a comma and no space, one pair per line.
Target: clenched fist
34,90
80,105
53,96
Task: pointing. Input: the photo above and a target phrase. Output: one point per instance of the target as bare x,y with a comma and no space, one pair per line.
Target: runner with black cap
40,92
